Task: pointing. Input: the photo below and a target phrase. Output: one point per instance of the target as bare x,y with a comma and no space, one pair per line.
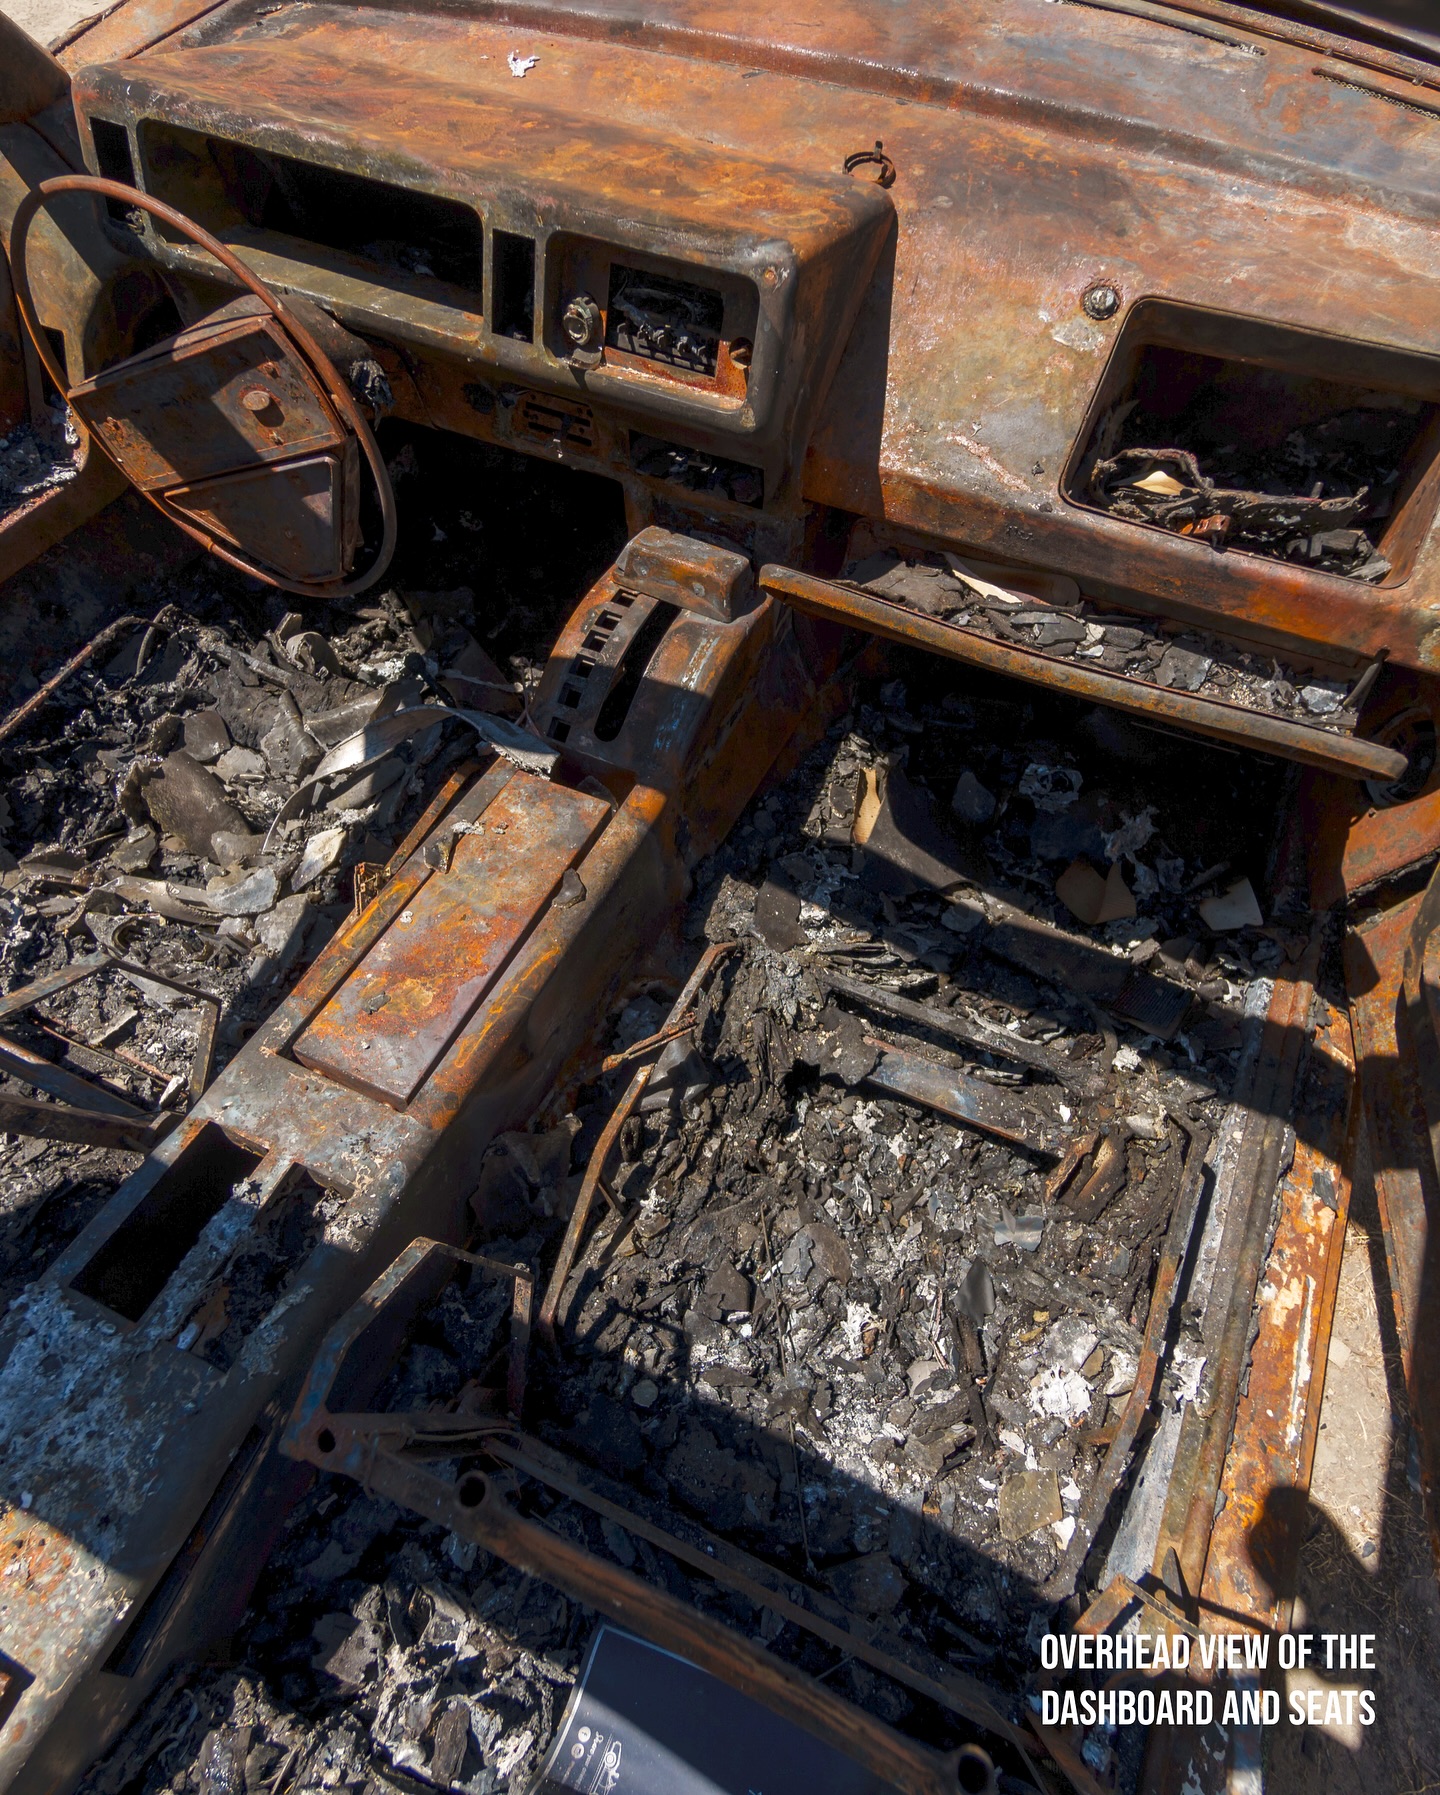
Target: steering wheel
295,337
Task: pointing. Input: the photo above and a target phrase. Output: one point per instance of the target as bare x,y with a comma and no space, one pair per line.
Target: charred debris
1261,461
700,1099
872,1256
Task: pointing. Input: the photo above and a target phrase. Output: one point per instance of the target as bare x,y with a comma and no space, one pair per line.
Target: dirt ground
47,20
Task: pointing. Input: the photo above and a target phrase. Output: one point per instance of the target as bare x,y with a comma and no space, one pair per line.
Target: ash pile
34,459
822,1322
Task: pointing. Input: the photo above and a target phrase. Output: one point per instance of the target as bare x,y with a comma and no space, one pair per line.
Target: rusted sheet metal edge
1407,1184
1229,723
83,1127
1387,60
1262,604
1272,1450
642,29
1205,1436
1353,842
128,28
41,522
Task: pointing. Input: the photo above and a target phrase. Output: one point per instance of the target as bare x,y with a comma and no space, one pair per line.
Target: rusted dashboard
642,251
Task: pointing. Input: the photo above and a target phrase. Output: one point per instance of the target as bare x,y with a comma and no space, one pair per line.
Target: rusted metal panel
407,999
127,29
33,78
1389,1049
297,516
52,1586
1362,838
93,291
694,576
796,244
1249,1568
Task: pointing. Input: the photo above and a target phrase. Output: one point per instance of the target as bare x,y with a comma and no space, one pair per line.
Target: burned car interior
717,811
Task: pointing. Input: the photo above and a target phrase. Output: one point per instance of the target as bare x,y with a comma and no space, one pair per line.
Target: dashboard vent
563,422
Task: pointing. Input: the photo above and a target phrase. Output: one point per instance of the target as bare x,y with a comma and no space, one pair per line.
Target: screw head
582,322
256,399
1101,301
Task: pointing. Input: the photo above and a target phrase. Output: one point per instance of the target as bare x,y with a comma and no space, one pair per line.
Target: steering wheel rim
321,366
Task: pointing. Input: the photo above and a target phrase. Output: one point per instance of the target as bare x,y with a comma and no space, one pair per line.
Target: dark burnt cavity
1276,448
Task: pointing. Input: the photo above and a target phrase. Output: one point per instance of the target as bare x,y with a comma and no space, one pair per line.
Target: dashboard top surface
1039,150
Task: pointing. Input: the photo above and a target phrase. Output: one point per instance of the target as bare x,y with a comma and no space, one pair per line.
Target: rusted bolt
582,322
257,399
1101,301
741,351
